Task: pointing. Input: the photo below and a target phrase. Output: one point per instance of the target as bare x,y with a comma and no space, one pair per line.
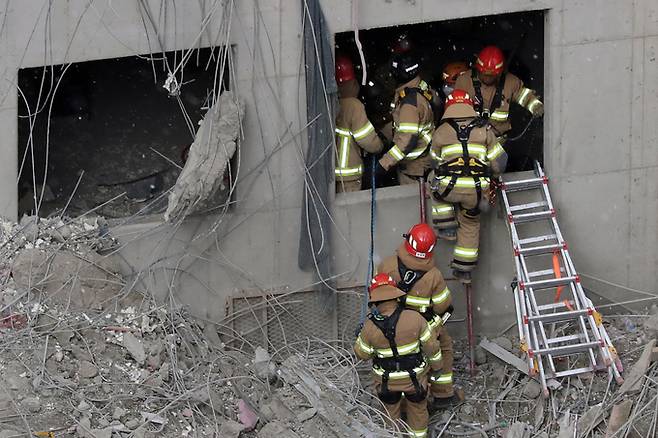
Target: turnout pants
458,209
441,380
416,409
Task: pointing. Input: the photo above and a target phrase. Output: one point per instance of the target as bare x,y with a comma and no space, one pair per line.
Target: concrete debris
519,430
618,417
651,326
246,415
504,342
208,160
276,429
532,389
635,378
231,429
134,347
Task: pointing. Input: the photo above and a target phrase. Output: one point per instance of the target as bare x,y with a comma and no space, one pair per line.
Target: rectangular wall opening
106,135
441,42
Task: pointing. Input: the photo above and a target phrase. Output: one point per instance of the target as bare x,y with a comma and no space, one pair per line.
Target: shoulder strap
408,277
498,97
387,325
478,104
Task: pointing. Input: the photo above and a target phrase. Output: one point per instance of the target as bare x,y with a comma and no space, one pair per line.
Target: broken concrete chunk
532,389
246,415
87,370
263,365
231,429
32,404
634,379
306,415
651,326
504,342
153,418
519,430
618,417
480,355
134,347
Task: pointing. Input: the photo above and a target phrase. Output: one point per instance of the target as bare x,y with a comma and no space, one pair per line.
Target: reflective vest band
419,433
395,375
344,153
341,131
499,116
396,153
478,151
414,347
363,132
427,334
495,152
427,137
522,99
436,357
443,210
465,253
435,322
415,153
412,128
465,182
363,346
349,171
434,155
533,105
416,301
441,379
441,296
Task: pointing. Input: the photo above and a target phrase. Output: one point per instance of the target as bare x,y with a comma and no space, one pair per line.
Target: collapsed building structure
251,249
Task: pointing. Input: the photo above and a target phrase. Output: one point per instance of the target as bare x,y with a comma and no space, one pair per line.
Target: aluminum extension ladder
556,321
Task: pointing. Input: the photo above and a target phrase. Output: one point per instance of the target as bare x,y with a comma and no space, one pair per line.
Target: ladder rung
567,349
543,249
551,306
537,239
531,217
573,372
543,273
527,206
558,316
523,184
551,282
564,339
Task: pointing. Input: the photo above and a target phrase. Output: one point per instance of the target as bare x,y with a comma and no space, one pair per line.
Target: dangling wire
371,253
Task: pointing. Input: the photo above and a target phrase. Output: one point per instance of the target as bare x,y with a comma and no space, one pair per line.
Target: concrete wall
601,86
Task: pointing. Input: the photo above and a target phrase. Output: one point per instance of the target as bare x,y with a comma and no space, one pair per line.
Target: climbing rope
371,267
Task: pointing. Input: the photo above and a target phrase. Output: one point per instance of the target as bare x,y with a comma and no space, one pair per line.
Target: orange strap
558,274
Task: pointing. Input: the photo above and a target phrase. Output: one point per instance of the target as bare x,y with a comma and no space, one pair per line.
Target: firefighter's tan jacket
513,91
353,132
413,334
482,144
413,123
429,292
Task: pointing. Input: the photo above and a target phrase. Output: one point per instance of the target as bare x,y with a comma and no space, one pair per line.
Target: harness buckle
485,114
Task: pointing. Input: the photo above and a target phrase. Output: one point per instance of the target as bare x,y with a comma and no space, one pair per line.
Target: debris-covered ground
83,354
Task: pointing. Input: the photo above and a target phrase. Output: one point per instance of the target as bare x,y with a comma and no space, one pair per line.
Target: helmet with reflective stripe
420,241
452,70
383,288
490,61
344,69
459,105
404,67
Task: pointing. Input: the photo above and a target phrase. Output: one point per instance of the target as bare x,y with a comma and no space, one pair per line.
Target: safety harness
408,362
497,100
464,166
408,97
409,277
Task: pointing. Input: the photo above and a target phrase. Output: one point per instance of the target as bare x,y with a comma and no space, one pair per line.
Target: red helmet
420,241
381,279
452,70
344,69
490,61
459,96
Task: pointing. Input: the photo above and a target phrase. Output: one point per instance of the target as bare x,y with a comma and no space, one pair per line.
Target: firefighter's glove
538,110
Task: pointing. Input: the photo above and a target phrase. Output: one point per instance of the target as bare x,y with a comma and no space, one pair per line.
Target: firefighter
412,267
466,155
412,121
353,130
449,75
403,349
494,89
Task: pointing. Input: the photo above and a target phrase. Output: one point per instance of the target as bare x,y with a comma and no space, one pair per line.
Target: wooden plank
618,417
634,379
511,359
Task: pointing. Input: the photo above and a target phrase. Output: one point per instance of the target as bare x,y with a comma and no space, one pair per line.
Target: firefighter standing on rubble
413,121
494,89
403,347
466,155
353,130
412,267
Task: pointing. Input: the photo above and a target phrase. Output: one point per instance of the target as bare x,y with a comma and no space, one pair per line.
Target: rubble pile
82,356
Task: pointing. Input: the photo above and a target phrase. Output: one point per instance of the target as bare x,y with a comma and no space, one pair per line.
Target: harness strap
497,100
408,277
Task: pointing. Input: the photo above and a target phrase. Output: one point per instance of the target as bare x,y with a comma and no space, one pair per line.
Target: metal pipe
422,190
469,327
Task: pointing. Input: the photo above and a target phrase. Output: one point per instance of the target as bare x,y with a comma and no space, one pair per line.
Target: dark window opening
438,43
107,136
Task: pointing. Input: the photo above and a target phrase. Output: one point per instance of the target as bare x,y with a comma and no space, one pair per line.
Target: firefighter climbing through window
412,267
403,348
413,121
466,155
354,132
494,89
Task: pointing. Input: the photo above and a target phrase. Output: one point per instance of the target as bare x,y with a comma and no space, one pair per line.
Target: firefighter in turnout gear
450,74
403,349
493,90
466,155
413,121
412,267
353,130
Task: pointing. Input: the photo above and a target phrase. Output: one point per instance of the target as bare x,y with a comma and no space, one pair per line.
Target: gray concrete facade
601,95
